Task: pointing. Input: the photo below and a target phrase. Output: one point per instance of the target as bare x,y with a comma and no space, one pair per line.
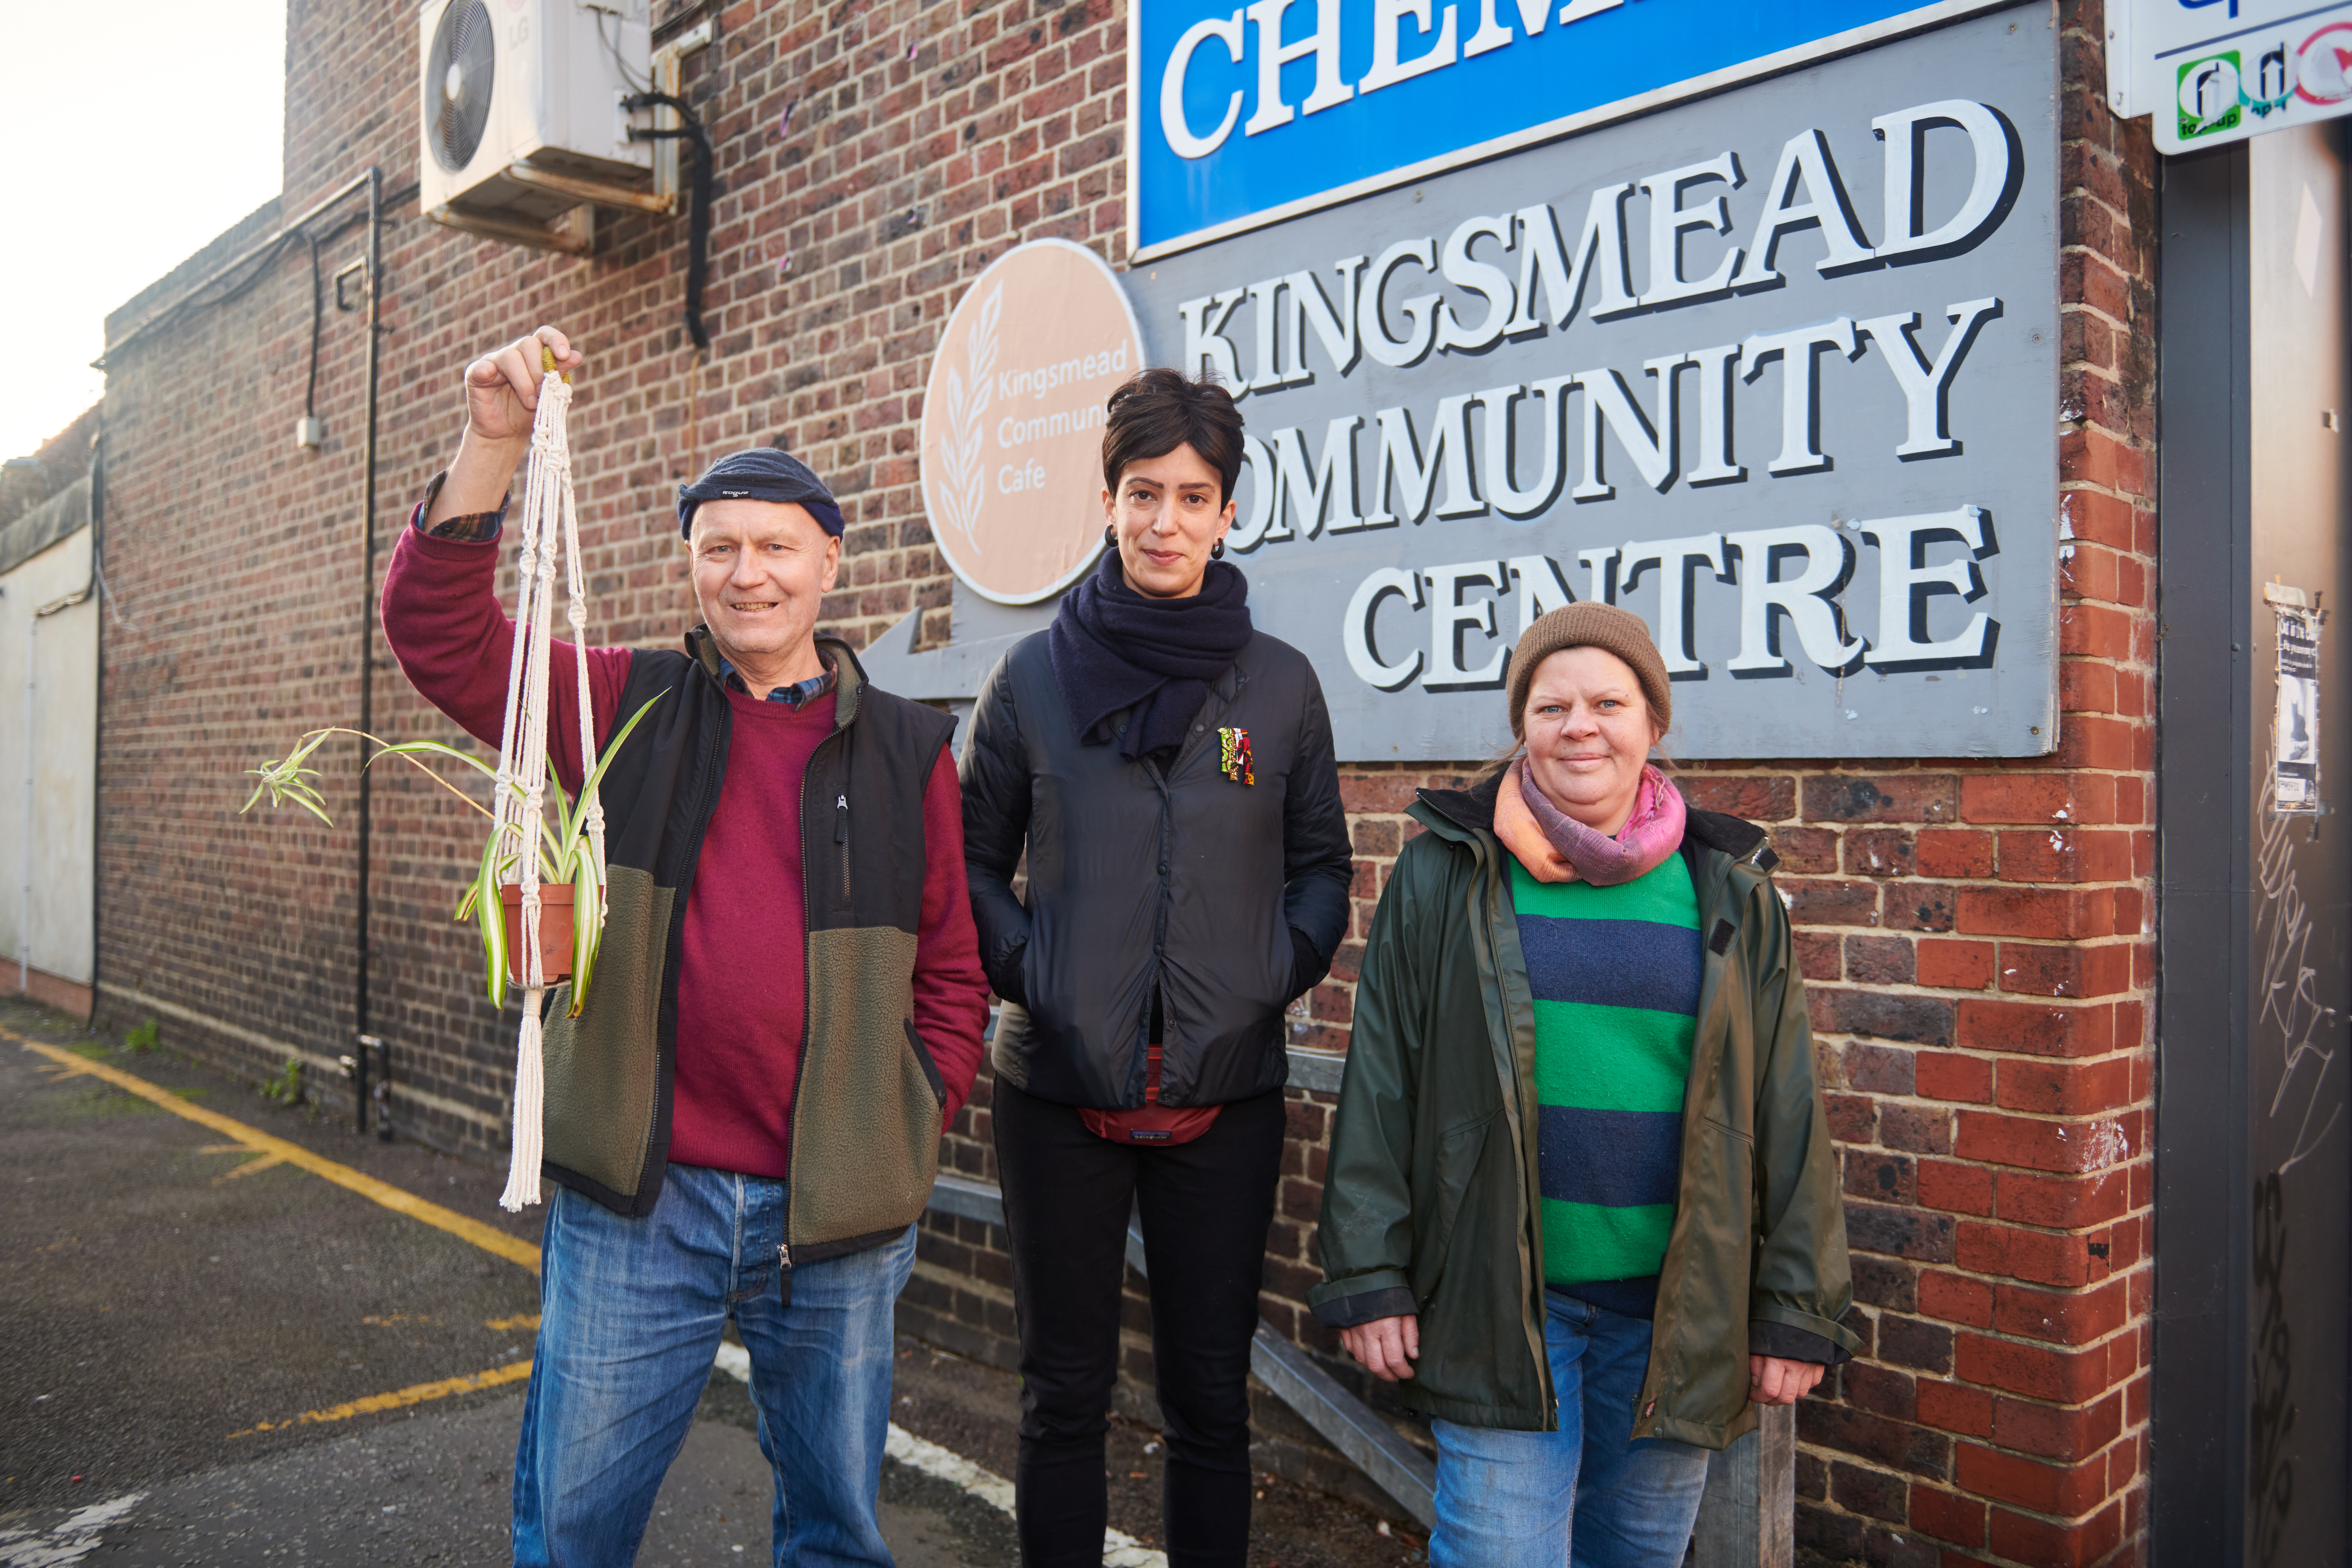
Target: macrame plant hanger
550,522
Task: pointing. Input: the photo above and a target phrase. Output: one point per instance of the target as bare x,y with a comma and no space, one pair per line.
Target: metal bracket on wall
595,193
668,74
371,1059
353,270
573,234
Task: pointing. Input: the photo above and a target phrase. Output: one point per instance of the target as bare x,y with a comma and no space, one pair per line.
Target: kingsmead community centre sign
1775,368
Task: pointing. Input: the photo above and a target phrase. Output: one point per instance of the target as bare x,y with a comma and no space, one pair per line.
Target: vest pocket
930,1064
866,1113
602,1067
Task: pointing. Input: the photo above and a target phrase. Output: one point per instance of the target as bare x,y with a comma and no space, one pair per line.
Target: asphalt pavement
251,1342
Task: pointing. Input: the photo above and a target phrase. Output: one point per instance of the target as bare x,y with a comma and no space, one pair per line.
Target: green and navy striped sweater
1615,974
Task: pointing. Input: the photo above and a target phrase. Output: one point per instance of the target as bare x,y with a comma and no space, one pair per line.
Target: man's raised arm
441,610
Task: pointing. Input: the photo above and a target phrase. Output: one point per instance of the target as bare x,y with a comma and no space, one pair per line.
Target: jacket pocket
1734,1152
928,1063
1458,1152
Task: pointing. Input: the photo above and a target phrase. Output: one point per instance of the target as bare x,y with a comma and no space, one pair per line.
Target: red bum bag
1152,1122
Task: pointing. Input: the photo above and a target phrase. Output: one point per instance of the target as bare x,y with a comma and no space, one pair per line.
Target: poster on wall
2294,722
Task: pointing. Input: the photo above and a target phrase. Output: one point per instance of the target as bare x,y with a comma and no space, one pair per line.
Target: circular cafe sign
1012,421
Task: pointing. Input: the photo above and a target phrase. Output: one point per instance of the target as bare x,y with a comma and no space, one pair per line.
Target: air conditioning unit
520,118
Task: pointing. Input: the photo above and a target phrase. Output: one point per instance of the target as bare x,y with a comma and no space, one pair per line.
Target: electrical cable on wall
252,269
318,311
612,48
698,242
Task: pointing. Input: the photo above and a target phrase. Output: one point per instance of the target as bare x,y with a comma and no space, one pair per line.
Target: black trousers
1206,1207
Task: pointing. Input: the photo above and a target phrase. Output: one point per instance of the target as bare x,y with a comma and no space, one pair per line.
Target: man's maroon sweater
742,990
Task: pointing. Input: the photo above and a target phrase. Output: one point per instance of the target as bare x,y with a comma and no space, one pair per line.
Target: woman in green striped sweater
1582,1199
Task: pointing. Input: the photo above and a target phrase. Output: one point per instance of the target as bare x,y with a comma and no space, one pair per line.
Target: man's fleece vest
866,1115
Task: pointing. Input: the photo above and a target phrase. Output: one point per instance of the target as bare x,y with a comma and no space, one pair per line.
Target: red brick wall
1976,934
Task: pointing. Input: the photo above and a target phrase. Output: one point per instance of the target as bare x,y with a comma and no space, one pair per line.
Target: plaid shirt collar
799,694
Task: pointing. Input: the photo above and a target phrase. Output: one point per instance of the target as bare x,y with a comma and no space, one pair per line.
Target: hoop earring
1110,533
1217,551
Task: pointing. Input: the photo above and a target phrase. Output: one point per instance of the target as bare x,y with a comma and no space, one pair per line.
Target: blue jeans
630,1314
1587,1495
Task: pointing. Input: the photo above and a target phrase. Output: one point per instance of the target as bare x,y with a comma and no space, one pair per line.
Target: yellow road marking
508,1325
512,1248
260,1162
414,1393
278,1150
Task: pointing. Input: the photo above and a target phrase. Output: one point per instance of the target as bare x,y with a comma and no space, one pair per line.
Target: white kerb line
1120,1550
71,1540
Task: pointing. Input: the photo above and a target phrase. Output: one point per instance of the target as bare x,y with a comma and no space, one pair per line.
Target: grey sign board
1777,369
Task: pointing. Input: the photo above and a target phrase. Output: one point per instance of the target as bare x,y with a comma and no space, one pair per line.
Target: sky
137,143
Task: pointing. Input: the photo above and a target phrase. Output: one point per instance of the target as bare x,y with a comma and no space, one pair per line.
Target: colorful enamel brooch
1233,756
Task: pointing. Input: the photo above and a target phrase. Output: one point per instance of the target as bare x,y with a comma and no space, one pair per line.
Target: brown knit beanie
1591,624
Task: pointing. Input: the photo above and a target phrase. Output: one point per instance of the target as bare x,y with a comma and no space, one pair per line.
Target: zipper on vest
841,836
808,929
706,802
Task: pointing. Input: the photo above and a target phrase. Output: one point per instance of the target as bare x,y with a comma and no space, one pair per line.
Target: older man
744,1120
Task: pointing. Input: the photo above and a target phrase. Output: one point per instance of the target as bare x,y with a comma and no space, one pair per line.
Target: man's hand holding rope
501,400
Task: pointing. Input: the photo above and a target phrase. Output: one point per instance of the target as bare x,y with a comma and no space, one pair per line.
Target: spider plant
565,855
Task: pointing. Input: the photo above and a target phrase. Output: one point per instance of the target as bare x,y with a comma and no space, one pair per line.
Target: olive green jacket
1430,1203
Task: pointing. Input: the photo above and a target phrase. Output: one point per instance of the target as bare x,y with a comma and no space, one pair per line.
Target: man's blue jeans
630,1314
1587,1495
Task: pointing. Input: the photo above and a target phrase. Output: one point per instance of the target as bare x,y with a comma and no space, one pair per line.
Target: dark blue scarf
1113,647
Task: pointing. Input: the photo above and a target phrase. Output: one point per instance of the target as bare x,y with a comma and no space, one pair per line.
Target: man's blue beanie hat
761,473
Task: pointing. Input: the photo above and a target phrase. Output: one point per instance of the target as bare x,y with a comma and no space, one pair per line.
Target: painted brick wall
1976,935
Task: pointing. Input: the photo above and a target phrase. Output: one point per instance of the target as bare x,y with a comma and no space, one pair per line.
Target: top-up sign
2211,71
1244,117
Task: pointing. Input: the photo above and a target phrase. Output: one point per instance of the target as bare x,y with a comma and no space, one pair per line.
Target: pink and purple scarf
1556,848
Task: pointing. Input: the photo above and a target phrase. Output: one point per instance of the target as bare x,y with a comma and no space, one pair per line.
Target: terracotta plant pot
554,930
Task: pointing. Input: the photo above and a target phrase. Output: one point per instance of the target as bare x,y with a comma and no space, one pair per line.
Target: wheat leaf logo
962,460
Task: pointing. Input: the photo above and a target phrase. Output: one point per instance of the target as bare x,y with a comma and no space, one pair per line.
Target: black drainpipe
698,230
365,1043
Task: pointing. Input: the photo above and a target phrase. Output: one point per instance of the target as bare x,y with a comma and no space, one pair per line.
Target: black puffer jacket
1229,898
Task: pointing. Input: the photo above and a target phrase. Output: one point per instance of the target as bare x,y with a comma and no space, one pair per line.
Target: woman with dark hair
1581,1197
1169,770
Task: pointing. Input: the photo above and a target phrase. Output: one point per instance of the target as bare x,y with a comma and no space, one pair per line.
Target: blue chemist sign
1245,117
